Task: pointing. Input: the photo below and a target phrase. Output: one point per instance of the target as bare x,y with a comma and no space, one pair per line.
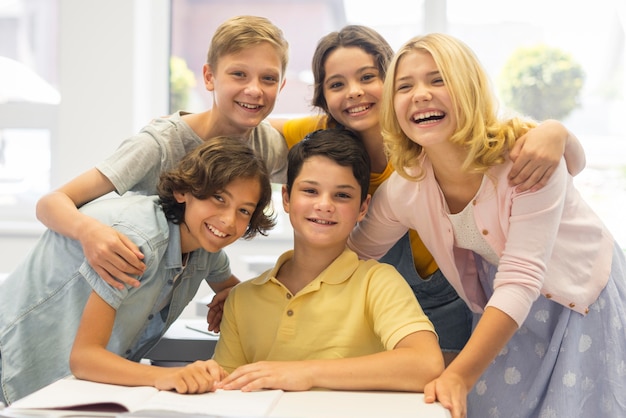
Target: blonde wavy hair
486,137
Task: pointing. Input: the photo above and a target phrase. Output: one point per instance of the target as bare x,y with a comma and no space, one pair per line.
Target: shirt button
474,202
288,295
548,295
150,316
128,352
485,232
572,304
289,312
586,311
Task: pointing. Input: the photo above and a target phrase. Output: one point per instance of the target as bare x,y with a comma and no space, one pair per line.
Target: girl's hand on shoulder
197,377
285,375
450,391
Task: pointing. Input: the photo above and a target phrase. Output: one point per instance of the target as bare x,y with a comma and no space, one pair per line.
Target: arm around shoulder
111,254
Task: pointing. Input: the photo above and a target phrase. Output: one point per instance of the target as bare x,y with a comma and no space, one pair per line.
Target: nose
324,203
421,93
253,88
355,91
227,218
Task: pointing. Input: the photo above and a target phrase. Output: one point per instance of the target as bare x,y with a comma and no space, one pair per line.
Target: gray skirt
560,363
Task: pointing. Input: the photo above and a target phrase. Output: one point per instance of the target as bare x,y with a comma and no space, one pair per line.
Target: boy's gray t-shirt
138,162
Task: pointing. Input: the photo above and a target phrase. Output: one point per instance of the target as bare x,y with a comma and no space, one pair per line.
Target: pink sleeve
380,230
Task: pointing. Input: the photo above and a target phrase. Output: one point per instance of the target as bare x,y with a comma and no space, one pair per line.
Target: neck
373,141
305,266
457,185
209,124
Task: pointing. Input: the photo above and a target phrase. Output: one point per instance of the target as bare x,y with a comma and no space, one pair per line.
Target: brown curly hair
208,169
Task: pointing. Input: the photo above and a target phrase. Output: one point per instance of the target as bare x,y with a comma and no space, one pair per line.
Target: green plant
542,82
182,79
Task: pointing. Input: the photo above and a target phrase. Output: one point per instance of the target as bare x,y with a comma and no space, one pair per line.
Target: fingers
247,378
198,377
533,181
451,396
429,393
532,175
517,148
214,317
115,258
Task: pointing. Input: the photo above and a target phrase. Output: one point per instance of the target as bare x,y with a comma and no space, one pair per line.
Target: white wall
113,69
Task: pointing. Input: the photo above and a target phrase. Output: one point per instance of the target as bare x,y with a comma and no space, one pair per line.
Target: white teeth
427,115
249,106
320,221
216,231
358,109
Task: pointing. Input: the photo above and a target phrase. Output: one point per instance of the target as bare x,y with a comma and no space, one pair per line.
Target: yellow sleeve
294,130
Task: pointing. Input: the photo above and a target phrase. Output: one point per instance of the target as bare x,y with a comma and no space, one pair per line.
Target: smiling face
245,85
352,88
220,219
324,204
422,101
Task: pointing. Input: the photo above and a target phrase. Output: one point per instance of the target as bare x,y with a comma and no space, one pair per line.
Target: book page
74,394
227,403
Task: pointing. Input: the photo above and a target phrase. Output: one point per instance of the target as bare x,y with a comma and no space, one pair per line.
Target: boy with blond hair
245,70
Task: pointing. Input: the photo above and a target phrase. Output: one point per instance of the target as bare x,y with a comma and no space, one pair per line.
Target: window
593,37
28,106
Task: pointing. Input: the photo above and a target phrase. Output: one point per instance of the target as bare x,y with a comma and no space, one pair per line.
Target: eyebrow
428,74
251,204
316,183
360,70
246,66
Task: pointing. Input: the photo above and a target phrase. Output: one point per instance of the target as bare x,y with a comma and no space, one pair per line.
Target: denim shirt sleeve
152,239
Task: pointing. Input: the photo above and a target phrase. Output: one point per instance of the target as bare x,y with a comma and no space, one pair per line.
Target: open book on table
72,397
90,397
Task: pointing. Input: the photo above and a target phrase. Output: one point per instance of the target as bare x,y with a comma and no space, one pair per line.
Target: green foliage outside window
182,80
541,82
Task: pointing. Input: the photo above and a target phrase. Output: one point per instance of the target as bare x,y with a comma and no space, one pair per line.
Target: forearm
101,365
492,333
400,369
575,157
226,284
573,150
59,213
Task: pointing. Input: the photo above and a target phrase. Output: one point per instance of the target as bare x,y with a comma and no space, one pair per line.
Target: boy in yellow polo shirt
321,317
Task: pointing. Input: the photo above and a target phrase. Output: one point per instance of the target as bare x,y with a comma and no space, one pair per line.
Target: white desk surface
276,404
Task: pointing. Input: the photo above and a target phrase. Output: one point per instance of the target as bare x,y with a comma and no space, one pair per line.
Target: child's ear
180,197
208,76
364,206
285,195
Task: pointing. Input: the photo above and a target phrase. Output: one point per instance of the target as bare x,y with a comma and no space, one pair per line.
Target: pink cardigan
549,242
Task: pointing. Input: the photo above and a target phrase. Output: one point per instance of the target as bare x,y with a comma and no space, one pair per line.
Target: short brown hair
340,146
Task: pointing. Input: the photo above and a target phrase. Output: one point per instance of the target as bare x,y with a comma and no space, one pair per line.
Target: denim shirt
41,302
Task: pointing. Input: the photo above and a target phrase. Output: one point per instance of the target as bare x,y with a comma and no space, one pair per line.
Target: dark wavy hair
341,146
207,170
